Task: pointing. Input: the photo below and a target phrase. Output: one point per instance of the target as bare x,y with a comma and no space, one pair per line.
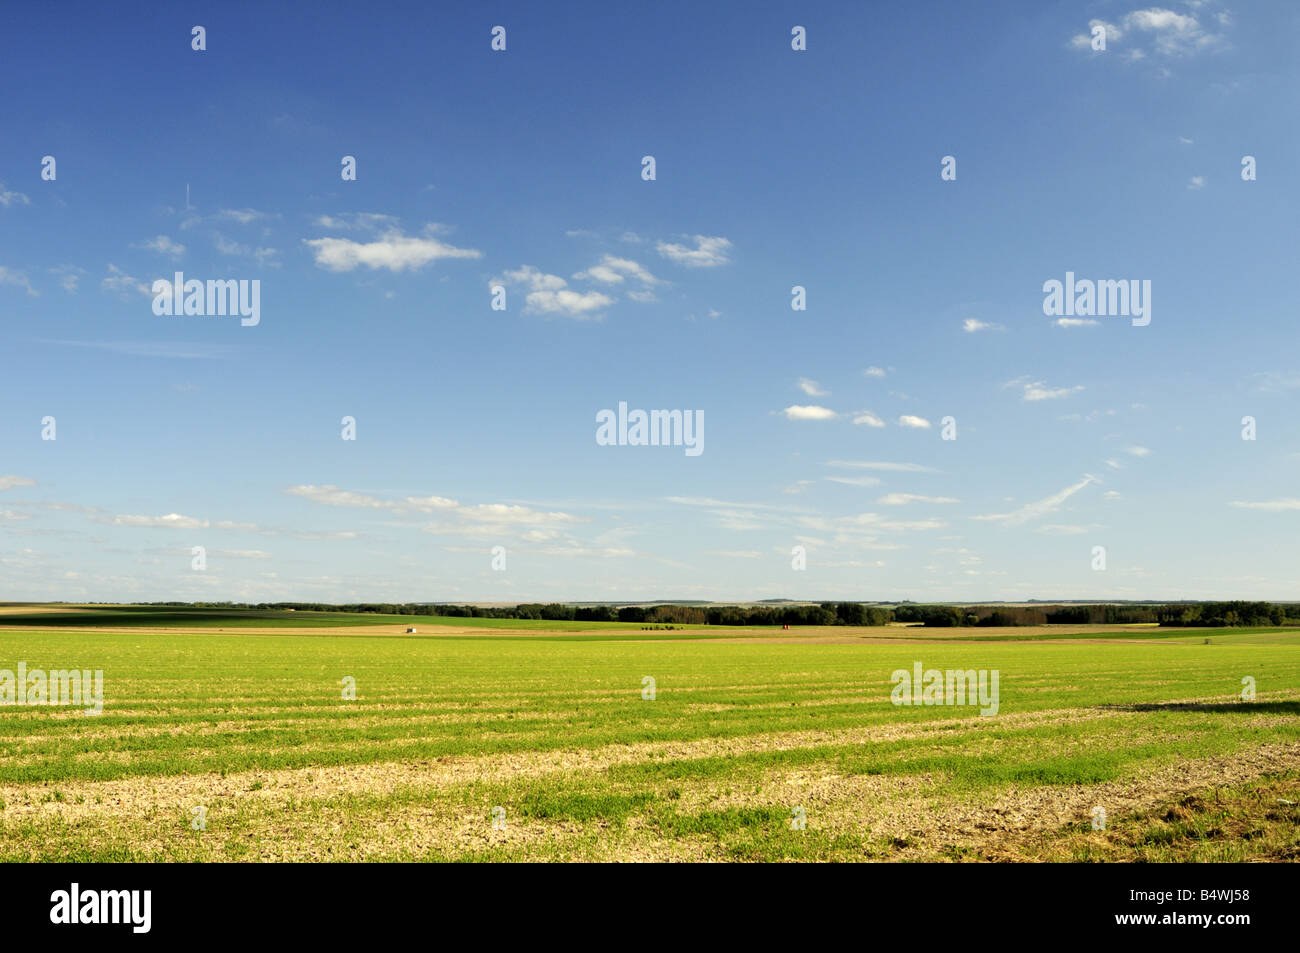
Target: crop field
229,736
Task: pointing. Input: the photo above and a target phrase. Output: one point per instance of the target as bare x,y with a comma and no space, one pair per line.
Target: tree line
1208,614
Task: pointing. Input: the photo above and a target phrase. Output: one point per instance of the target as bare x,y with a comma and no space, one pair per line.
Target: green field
742,739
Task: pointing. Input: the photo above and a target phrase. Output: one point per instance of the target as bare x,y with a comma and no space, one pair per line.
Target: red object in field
785,627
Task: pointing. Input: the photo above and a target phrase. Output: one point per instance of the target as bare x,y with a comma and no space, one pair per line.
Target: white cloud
170,521
1139,451
18,279
808,412
812,388
1076,322
874,465
391,250
1276,382
611,271
1061,529
122,283
535,280
1196,183
9,481
330,495
1037,390
873,522
1174,34
364,221
1167,32
1038,508
574,304
506,513
263,256
868,419
1288,503
707,253
1091,417
163,246
874,372
478,519
550,294
902,499
916,423
855,481
69,277
8,198
244,216
972,325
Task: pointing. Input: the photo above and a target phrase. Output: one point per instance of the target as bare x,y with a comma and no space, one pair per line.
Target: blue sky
774,168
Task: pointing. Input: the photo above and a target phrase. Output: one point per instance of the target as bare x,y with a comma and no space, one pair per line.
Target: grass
553,729
1251,822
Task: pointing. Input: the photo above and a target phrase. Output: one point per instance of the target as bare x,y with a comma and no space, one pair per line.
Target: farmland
226,736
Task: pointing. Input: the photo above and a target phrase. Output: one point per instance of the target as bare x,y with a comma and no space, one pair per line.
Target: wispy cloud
364,221
69,277
8,198
612,270
709,252
163,246
1038,508
392,250
1038,390
808,412
1288,503
456,518
1276,382
123,284
18,279
877,465
855,480
244,216
185,350
169,521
